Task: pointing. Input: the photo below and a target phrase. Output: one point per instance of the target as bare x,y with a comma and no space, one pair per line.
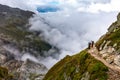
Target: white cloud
80,5
71,34
105,7
74,26
29,56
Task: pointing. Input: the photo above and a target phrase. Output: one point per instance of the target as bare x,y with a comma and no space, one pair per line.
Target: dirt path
93,51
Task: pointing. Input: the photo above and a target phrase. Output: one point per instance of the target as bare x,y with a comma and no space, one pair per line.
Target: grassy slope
76,66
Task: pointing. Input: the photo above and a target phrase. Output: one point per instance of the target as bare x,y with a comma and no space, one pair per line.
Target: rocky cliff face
99,62
26,70
109,44
16,40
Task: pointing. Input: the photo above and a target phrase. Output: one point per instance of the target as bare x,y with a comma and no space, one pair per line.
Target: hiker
92,43
89,45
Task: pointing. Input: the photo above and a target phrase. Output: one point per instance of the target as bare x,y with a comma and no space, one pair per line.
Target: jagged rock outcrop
32,70
5,56
109,44
115,25
28,69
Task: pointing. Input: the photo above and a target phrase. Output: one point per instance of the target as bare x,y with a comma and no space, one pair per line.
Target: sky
68,24
78,5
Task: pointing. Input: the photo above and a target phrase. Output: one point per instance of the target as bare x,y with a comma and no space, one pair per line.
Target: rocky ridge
100,61
109,46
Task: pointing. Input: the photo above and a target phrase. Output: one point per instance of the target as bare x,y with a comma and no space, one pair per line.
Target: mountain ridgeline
17,40
14,27
99,62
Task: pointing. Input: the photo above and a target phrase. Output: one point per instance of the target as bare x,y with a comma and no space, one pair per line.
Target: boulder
117,60
2,59
26,70
5,56
32,70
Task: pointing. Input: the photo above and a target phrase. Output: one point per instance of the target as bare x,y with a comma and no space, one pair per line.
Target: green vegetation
33,76
75,67
4,74
40,45
15,30
24,38
114,37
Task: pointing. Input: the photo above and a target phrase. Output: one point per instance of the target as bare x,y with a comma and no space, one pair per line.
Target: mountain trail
95,53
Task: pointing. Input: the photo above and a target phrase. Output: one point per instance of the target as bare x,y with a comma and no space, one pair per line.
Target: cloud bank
71,33
78,5
73,26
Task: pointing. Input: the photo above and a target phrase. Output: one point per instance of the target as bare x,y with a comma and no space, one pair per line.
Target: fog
70,34
71,27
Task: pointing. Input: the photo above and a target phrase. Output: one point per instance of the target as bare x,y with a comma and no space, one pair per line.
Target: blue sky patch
53,3
45,9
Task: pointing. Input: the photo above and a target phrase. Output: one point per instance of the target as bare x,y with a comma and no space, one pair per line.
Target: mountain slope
14,29
15,41
99,62
78,67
